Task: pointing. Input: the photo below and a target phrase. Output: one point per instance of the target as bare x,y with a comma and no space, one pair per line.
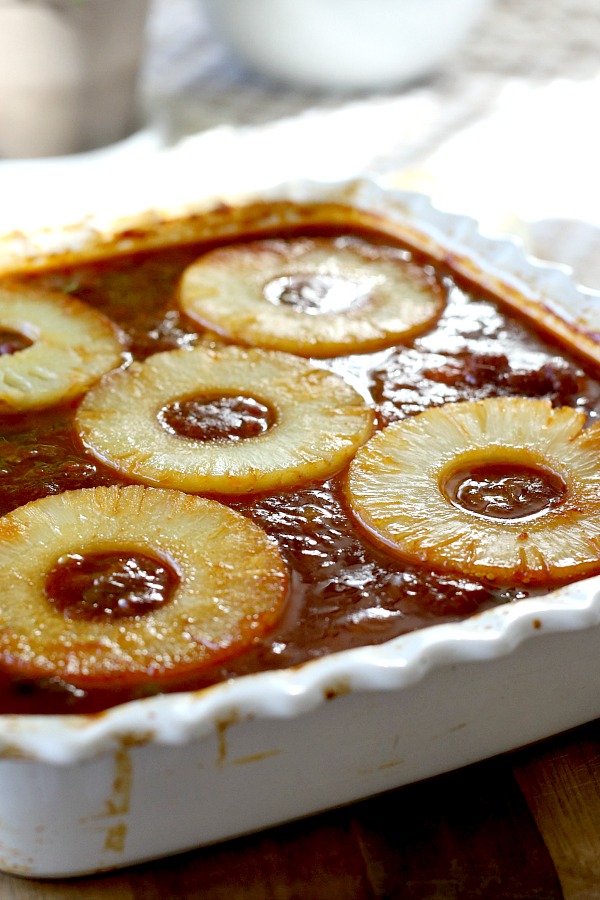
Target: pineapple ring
72,345
320,421
349,297
400,487
232,584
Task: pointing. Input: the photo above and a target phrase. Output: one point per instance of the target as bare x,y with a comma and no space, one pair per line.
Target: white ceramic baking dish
152,777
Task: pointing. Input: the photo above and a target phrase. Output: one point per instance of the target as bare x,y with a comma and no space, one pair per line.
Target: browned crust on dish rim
261,218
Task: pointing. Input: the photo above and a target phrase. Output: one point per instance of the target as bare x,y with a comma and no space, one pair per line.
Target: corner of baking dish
501,264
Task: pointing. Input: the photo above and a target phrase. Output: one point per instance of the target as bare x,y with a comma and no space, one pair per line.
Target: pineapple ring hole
110,585
217,417
503,489
316,294
12,341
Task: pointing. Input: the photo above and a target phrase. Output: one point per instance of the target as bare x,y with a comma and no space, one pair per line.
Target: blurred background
198,64
192,80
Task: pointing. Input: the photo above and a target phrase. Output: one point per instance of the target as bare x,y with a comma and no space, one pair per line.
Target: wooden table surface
522,825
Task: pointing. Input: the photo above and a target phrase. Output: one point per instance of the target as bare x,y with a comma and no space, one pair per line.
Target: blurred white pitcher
68,74
344,44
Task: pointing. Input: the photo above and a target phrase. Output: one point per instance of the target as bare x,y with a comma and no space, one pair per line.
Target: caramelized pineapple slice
53,348
312,297
223,420
81,575
506,489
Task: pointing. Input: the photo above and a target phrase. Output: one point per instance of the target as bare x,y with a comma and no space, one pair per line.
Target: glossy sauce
314,294
505,490
345,591
109,585
12,342
217,418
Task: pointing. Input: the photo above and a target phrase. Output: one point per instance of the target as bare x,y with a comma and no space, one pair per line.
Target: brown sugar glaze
345,591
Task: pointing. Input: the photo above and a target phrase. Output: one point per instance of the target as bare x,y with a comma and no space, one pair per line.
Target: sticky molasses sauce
505,490
109,585
12,342
345,591
315,294
217,418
